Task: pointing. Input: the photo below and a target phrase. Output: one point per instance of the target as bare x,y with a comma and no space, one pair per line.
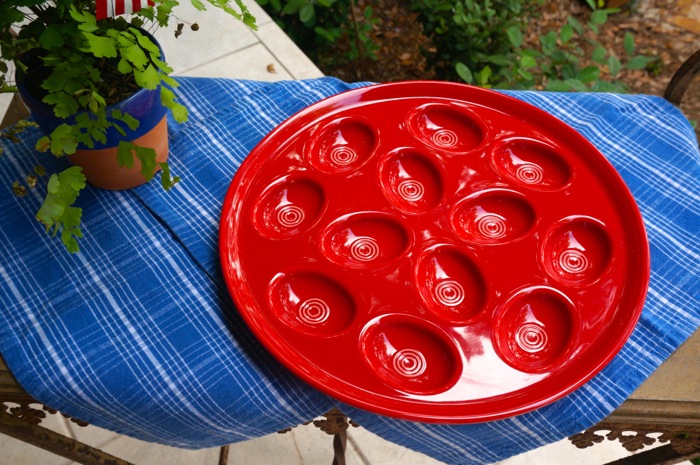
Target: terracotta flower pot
99,163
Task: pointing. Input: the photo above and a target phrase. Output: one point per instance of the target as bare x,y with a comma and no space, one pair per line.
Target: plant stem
360,61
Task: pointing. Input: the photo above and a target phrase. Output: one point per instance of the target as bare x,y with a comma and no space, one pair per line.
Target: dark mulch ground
399,35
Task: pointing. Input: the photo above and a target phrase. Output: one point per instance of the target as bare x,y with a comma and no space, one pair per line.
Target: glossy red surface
434,252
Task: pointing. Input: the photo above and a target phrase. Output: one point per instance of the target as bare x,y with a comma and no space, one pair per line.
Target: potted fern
98,85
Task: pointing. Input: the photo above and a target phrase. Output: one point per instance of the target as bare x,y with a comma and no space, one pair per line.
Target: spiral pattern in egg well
536,328
493,216
410,355
364,240
450,284
447,127
576,251
288,207
311,303
411,181
531,163
342,145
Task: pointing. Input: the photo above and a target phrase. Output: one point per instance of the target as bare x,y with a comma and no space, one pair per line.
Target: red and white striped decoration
112,8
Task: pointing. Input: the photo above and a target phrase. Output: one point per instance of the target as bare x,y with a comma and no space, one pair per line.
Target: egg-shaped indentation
576,251
364,240
311,303
410,355
531,163
410,181
494,216
448,127
342,146
288,207
535,329
450,284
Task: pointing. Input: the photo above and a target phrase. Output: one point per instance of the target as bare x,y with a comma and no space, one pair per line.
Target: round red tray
434,251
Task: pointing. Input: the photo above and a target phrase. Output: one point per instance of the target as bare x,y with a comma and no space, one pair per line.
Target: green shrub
483,43
571,59
471,36
322,28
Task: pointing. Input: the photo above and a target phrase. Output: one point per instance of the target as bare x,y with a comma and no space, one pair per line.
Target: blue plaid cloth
137,333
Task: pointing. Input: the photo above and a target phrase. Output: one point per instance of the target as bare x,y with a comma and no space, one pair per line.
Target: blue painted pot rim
144,105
